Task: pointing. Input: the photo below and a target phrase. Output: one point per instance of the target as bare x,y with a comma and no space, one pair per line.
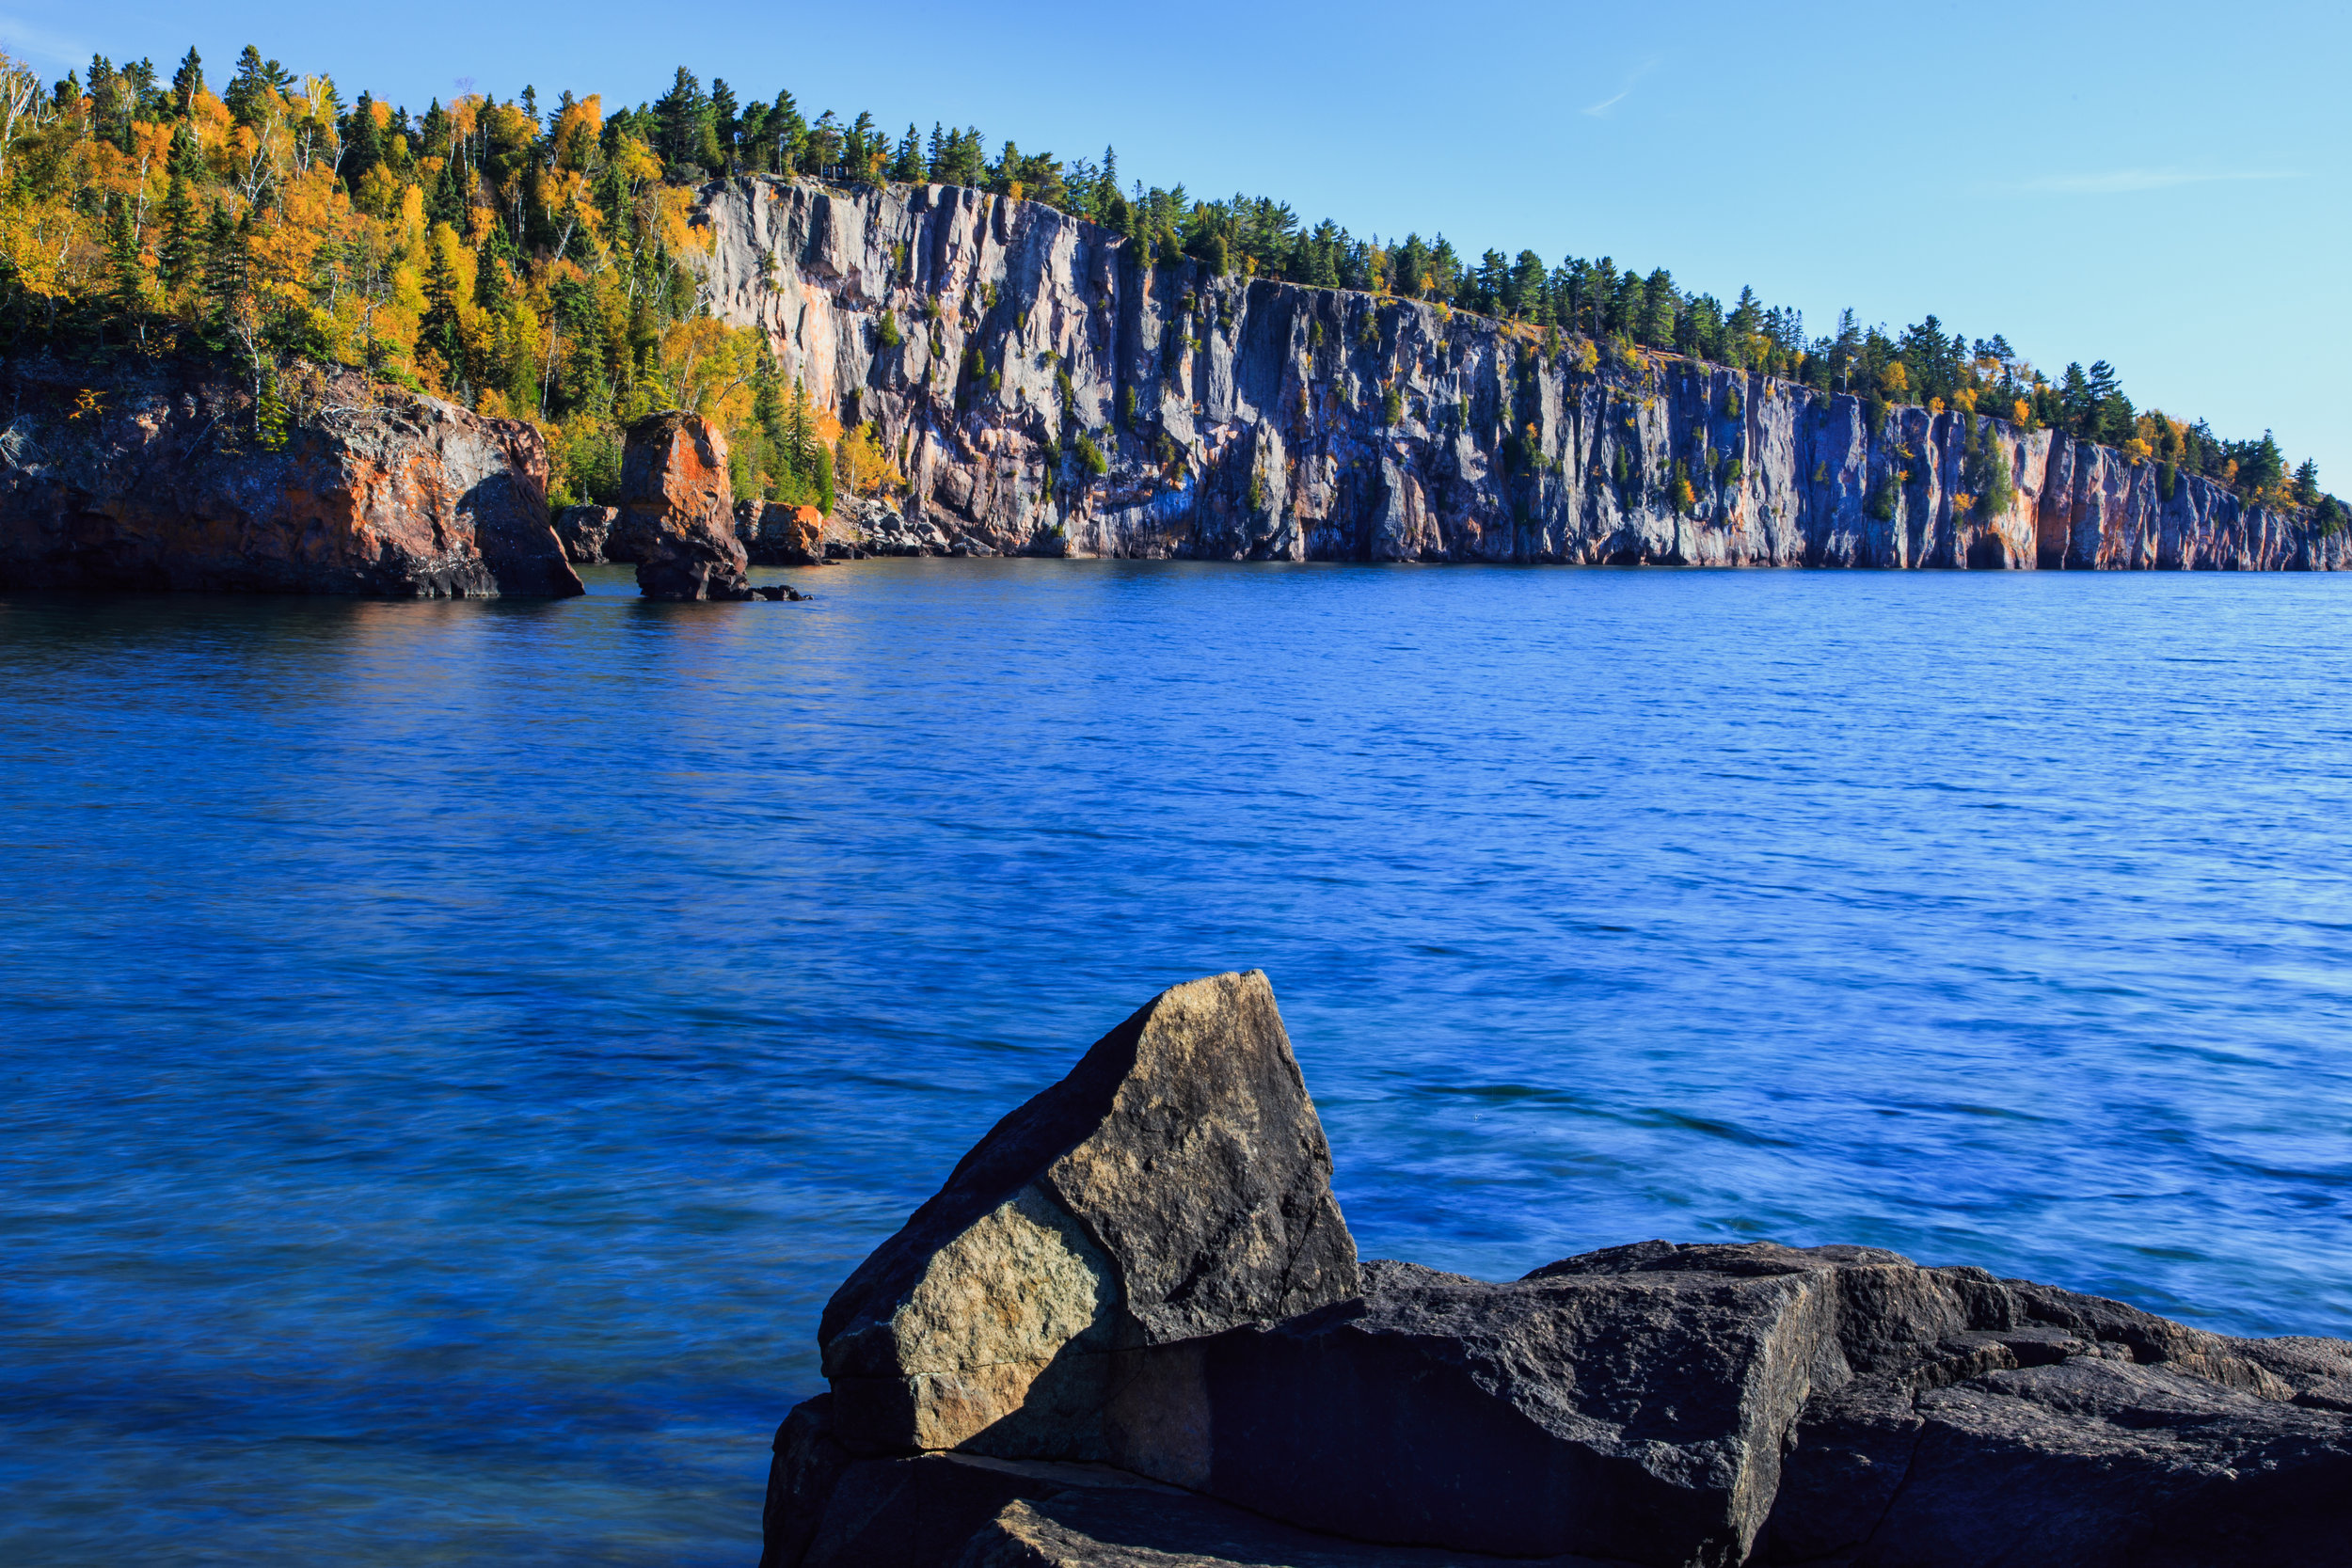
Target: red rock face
678,510
156,483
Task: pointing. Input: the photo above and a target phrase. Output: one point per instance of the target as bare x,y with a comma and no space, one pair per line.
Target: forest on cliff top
527,259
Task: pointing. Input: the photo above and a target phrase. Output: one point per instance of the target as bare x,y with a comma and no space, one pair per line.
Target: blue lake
452,1051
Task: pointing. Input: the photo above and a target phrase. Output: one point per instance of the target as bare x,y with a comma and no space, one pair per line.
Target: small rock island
1132,1331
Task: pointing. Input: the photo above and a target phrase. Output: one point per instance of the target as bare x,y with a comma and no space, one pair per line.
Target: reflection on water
454,1048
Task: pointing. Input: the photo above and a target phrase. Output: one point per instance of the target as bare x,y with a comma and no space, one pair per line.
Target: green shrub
889,329
1127,406
1730,474
1881,503
1392,407
1731,403
2167,479
1092,455
995,381
1257,490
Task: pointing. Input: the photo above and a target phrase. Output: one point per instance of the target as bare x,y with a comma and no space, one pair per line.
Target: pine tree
186,82
249,91
679,114
125,270
363,144
437,329
178,254
2307,483
225,276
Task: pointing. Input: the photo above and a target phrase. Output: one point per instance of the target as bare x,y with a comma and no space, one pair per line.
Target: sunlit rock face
1248,419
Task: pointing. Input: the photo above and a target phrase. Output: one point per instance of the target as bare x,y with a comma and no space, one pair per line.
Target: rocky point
158,479
1132,1331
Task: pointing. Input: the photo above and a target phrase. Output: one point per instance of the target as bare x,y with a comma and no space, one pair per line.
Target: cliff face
153,482
1243,419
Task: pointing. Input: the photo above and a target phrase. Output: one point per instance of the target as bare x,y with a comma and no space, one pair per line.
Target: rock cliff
153,481
1046,394
1132,1332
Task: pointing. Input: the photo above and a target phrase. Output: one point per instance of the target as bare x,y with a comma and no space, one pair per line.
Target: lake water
452,1051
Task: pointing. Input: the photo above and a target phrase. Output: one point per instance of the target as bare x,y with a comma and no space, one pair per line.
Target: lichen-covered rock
1244,418
1175,1184
156,480
678,510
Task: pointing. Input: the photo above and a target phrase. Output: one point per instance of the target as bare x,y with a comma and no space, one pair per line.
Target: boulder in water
678,510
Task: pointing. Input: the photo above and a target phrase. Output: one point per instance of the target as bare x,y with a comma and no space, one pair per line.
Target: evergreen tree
125,270
907,167
678,113
438,330
225,275
363,145
1659,302
2307,484
181,248
250,89
186,82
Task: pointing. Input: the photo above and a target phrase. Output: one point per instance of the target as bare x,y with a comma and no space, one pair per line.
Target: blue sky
2161,185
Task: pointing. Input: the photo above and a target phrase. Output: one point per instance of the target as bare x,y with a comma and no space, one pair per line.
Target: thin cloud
2122,180
39,43
1600,110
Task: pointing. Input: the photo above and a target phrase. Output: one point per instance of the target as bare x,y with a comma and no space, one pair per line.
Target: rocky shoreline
1132,1331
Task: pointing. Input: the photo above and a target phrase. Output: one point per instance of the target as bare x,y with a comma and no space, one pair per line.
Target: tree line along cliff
1242,385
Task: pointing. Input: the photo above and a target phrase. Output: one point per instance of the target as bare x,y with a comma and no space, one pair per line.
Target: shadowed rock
157,479
584,530
1177,1184
678,510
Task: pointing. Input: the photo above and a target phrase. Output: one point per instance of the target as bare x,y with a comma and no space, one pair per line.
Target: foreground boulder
1176,1184
1131,1330
157,479
676,514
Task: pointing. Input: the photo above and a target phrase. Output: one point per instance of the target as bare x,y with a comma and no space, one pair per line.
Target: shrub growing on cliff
2168,478
1731,403
1392,407
1092,455
1679,493
1883,501
887,332
1729,475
